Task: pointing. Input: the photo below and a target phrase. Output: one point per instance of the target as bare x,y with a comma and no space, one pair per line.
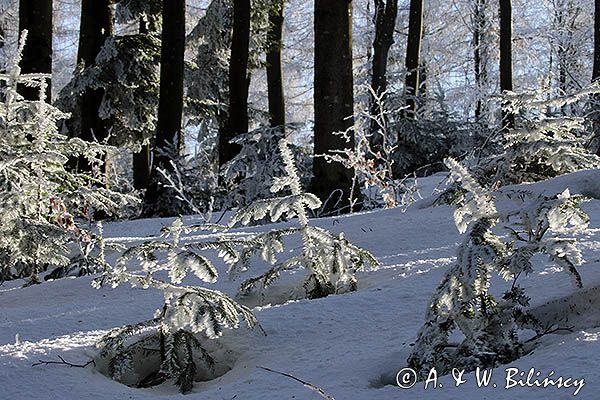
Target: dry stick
549,331
317,389
63,362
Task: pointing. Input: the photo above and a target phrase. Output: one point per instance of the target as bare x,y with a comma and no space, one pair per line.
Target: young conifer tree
43,204
486,330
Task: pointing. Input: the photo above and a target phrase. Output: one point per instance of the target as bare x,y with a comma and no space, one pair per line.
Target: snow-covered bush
545,144
330,261
188,192
249,175
465,302
174,345
43,204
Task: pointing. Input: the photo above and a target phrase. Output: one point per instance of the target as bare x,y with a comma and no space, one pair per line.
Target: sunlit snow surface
345,344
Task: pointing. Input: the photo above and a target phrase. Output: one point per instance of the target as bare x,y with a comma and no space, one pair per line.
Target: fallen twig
309,385
63,362
549,331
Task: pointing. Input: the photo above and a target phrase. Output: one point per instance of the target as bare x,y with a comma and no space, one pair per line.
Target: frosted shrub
544,145
174,345
490,326
248,176
43,204
330,261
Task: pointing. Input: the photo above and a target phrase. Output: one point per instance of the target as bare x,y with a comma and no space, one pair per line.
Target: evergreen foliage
464,300
546,143
207,73
329,260
127,69
249,175
190,314
43,205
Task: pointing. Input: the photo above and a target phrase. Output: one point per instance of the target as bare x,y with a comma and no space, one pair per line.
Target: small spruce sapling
544,145
189,317
329,260
248,176
43,204
463,301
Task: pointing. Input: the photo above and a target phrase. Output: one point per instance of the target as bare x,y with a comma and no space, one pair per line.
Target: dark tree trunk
142,159
413,56
385,22
36,17
141,168
596,69
506,78
170,106
333,100
238,82
274,69
479,25
97,24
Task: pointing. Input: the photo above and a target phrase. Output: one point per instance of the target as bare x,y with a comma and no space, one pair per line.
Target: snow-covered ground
349,345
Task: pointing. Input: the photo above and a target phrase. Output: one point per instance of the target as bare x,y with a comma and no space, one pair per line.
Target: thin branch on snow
309,385
63,362
550,330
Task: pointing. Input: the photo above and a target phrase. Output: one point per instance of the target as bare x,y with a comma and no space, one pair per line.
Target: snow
350,345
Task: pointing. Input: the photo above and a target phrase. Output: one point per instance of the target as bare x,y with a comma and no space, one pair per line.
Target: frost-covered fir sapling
545,144
249,175
329,261
43,204
176,344
492,328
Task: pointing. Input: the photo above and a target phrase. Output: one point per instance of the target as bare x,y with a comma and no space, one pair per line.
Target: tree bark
141,168
274,68
170,106
596,70
506,78
97,24
480,70
333,101
385,22
238,82
413,56
36,17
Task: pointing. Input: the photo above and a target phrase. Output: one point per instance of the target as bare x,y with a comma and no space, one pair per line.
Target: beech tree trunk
141,168
333,101
596,70
36,17
385,22
238,82
97,24
413,56
170,106
506,73
274,68
480,70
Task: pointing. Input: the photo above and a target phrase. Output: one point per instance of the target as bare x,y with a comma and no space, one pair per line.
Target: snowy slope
348,344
